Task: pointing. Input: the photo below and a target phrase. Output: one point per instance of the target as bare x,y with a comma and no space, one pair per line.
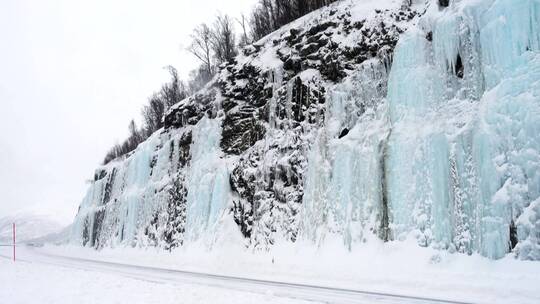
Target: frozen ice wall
172,188
122,196
463,154
207,181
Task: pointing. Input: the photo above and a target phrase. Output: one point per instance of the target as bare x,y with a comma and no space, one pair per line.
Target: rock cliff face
357,121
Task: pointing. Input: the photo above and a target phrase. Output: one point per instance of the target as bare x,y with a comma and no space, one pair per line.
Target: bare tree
261,20
269,15
223,39
174,91
201,46
153,114
135,135
118,150
244,39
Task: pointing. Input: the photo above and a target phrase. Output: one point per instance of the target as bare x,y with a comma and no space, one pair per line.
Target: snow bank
394,267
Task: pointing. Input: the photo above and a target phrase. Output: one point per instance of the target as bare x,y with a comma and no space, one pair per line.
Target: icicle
288,99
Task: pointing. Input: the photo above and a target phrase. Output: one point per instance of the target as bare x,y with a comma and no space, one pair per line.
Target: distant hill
29,227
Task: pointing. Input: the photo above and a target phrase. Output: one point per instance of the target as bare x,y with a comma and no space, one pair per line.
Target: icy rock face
126,194
238,150
143,199
330,129
277,199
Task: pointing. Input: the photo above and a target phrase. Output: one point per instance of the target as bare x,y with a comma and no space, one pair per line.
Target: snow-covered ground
398,268
34,282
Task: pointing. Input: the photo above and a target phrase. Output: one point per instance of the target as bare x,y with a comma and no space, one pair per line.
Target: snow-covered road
274,291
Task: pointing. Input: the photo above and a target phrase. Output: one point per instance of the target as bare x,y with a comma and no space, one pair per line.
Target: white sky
72,75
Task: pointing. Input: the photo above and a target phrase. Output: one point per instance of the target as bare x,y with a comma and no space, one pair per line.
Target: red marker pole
13,242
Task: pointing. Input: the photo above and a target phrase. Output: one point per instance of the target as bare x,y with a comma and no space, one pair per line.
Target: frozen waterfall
461,165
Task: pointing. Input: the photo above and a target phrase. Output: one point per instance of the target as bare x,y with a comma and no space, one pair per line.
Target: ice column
207,181
343,187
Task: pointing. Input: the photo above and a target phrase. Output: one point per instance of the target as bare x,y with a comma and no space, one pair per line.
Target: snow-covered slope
361,121
29,227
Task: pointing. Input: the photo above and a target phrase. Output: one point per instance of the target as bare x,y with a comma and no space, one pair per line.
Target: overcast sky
72,75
